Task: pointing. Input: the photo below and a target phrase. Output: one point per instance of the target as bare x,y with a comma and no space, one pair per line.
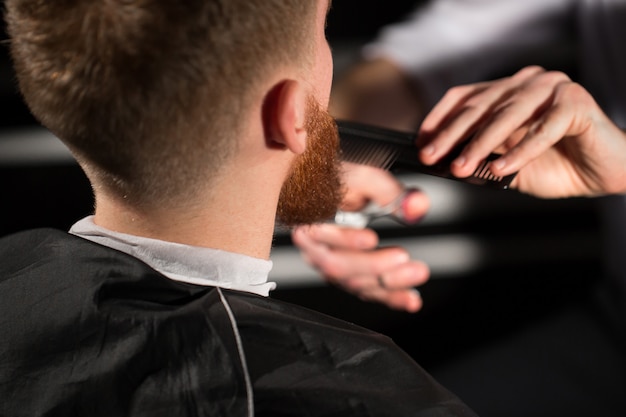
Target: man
196,123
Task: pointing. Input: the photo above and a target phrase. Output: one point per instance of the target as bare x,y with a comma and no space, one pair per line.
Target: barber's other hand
547,127
351,259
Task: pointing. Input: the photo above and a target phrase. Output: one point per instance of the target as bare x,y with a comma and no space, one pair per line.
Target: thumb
366,185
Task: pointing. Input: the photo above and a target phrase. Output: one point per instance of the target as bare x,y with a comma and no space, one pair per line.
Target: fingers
448,105
415,206
390,277
461,111
530,105
541,134
346,257
516,116
346,261
394,288
366,184
476,98
408,300
339,237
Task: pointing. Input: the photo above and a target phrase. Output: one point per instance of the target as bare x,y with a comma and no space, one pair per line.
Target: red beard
312,192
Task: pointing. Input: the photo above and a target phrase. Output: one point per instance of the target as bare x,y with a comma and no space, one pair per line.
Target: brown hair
148,93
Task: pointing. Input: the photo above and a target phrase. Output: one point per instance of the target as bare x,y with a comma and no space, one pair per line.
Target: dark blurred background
500,261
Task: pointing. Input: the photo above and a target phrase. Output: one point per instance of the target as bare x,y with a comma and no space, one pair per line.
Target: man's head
150,95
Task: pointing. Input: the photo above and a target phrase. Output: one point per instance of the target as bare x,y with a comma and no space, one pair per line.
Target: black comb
396,151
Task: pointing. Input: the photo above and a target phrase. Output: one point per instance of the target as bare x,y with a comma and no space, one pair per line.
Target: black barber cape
88,331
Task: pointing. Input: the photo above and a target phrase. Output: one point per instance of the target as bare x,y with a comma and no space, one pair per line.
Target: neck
237,216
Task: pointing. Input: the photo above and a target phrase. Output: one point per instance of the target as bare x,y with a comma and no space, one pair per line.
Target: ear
284,112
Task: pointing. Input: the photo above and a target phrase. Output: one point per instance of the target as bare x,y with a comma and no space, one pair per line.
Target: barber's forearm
452,42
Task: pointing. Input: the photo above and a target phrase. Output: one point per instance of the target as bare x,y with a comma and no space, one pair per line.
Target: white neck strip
191,264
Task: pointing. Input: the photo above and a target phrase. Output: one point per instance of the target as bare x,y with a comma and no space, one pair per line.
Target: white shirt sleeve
452,42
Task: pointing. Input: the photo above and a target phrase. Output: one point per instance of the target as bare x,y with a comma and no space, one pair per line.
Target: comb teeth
394,150
363,152
483,172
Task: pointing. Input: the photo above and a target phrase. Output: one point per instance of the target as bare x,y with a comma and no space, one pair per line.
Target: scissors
372,211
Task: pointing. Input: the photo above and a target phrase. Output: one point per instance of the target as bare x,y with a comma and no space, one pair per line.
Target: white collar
191,264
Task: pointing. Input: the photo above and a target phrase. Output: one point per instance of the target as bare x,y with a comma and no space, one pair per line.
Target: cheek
328,67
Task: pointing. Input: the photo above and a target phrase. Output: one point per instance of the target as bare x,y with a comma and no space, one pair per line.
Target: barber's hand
547,127
350,257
